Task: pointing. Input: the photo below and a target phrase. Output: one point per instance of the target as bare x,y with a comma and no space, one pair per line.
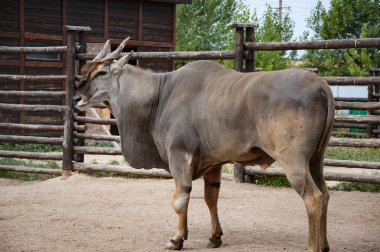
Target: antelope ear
124,60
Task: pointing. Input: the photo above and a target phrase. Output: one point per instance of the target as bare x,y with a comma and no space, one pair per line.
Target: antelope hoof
327,249
214,242
174,245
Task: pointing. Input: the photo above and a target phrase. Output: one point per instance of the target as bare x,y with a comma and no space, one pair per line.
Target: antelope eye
102,73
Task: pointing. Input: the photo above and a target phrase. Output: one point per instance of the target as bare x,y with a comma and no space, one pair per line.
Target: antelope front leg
180,202
212,185
180,169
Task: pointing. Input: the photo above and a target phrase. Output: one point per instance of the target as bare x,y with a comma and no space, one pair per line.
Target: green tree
205,25
345,19
270,29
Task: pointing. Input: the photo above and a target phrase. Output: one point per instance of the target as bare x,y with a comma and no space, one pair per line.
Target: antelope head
98,75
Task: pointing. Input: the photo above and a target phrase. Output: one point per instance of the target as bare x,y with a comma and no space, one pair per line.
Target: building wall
150,24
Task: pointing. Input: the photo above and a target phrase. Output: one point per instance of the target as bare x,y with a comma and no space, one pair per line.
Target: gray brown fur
193,120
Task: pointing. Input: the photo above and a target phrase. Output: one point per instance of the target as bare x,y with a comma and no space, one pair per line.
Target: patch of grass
228,169
272,181
355,186
31,147
113,162
350,153
104,144
27,176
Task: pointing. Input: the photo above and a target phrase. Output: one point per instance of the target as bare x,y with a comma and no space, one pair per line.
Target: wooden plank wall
151,25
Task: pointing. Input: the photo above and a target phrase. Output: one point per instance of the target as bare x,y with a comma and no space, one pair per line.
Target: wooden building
150,24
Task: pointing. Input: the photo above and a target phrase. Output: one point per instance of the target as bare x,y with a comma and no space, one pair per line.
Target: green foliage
205,25
27,176
272,181
31,147
114,162
350,153
353,186
272,29
103,144
345,19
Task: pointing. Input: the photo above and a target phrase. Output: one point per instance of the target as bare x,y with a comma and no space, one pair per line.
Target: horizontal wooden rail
313,45
33,93
351,99
349,81
40,49
97,137
31,126
349,134
32,155
125,170
50,171
358,106
24,107
14,77
358,118
348,142
31,139
170,55
352,164
93,120
96,150
77,28
329,175
350,125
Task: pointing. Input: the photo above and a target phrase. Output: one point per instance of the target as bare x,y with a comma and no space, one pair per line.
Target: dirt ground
84,213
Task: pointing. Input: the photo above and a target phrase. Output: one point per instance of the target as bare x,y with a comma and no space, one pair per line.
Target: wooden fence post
82,49
373,96
67,163
239,47
239,58
250,56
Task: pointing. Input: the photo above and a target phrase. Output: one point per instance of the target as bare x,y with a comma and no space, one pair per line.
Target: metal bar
33,93
27,49
312,45
24,107
32,77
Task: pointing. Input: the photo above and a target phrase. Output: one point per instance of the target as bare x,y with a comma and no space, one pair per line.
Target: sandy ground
84,213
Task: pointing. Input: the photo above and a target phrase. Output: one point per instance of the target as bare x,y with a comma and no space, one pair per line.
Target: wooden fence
75,125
